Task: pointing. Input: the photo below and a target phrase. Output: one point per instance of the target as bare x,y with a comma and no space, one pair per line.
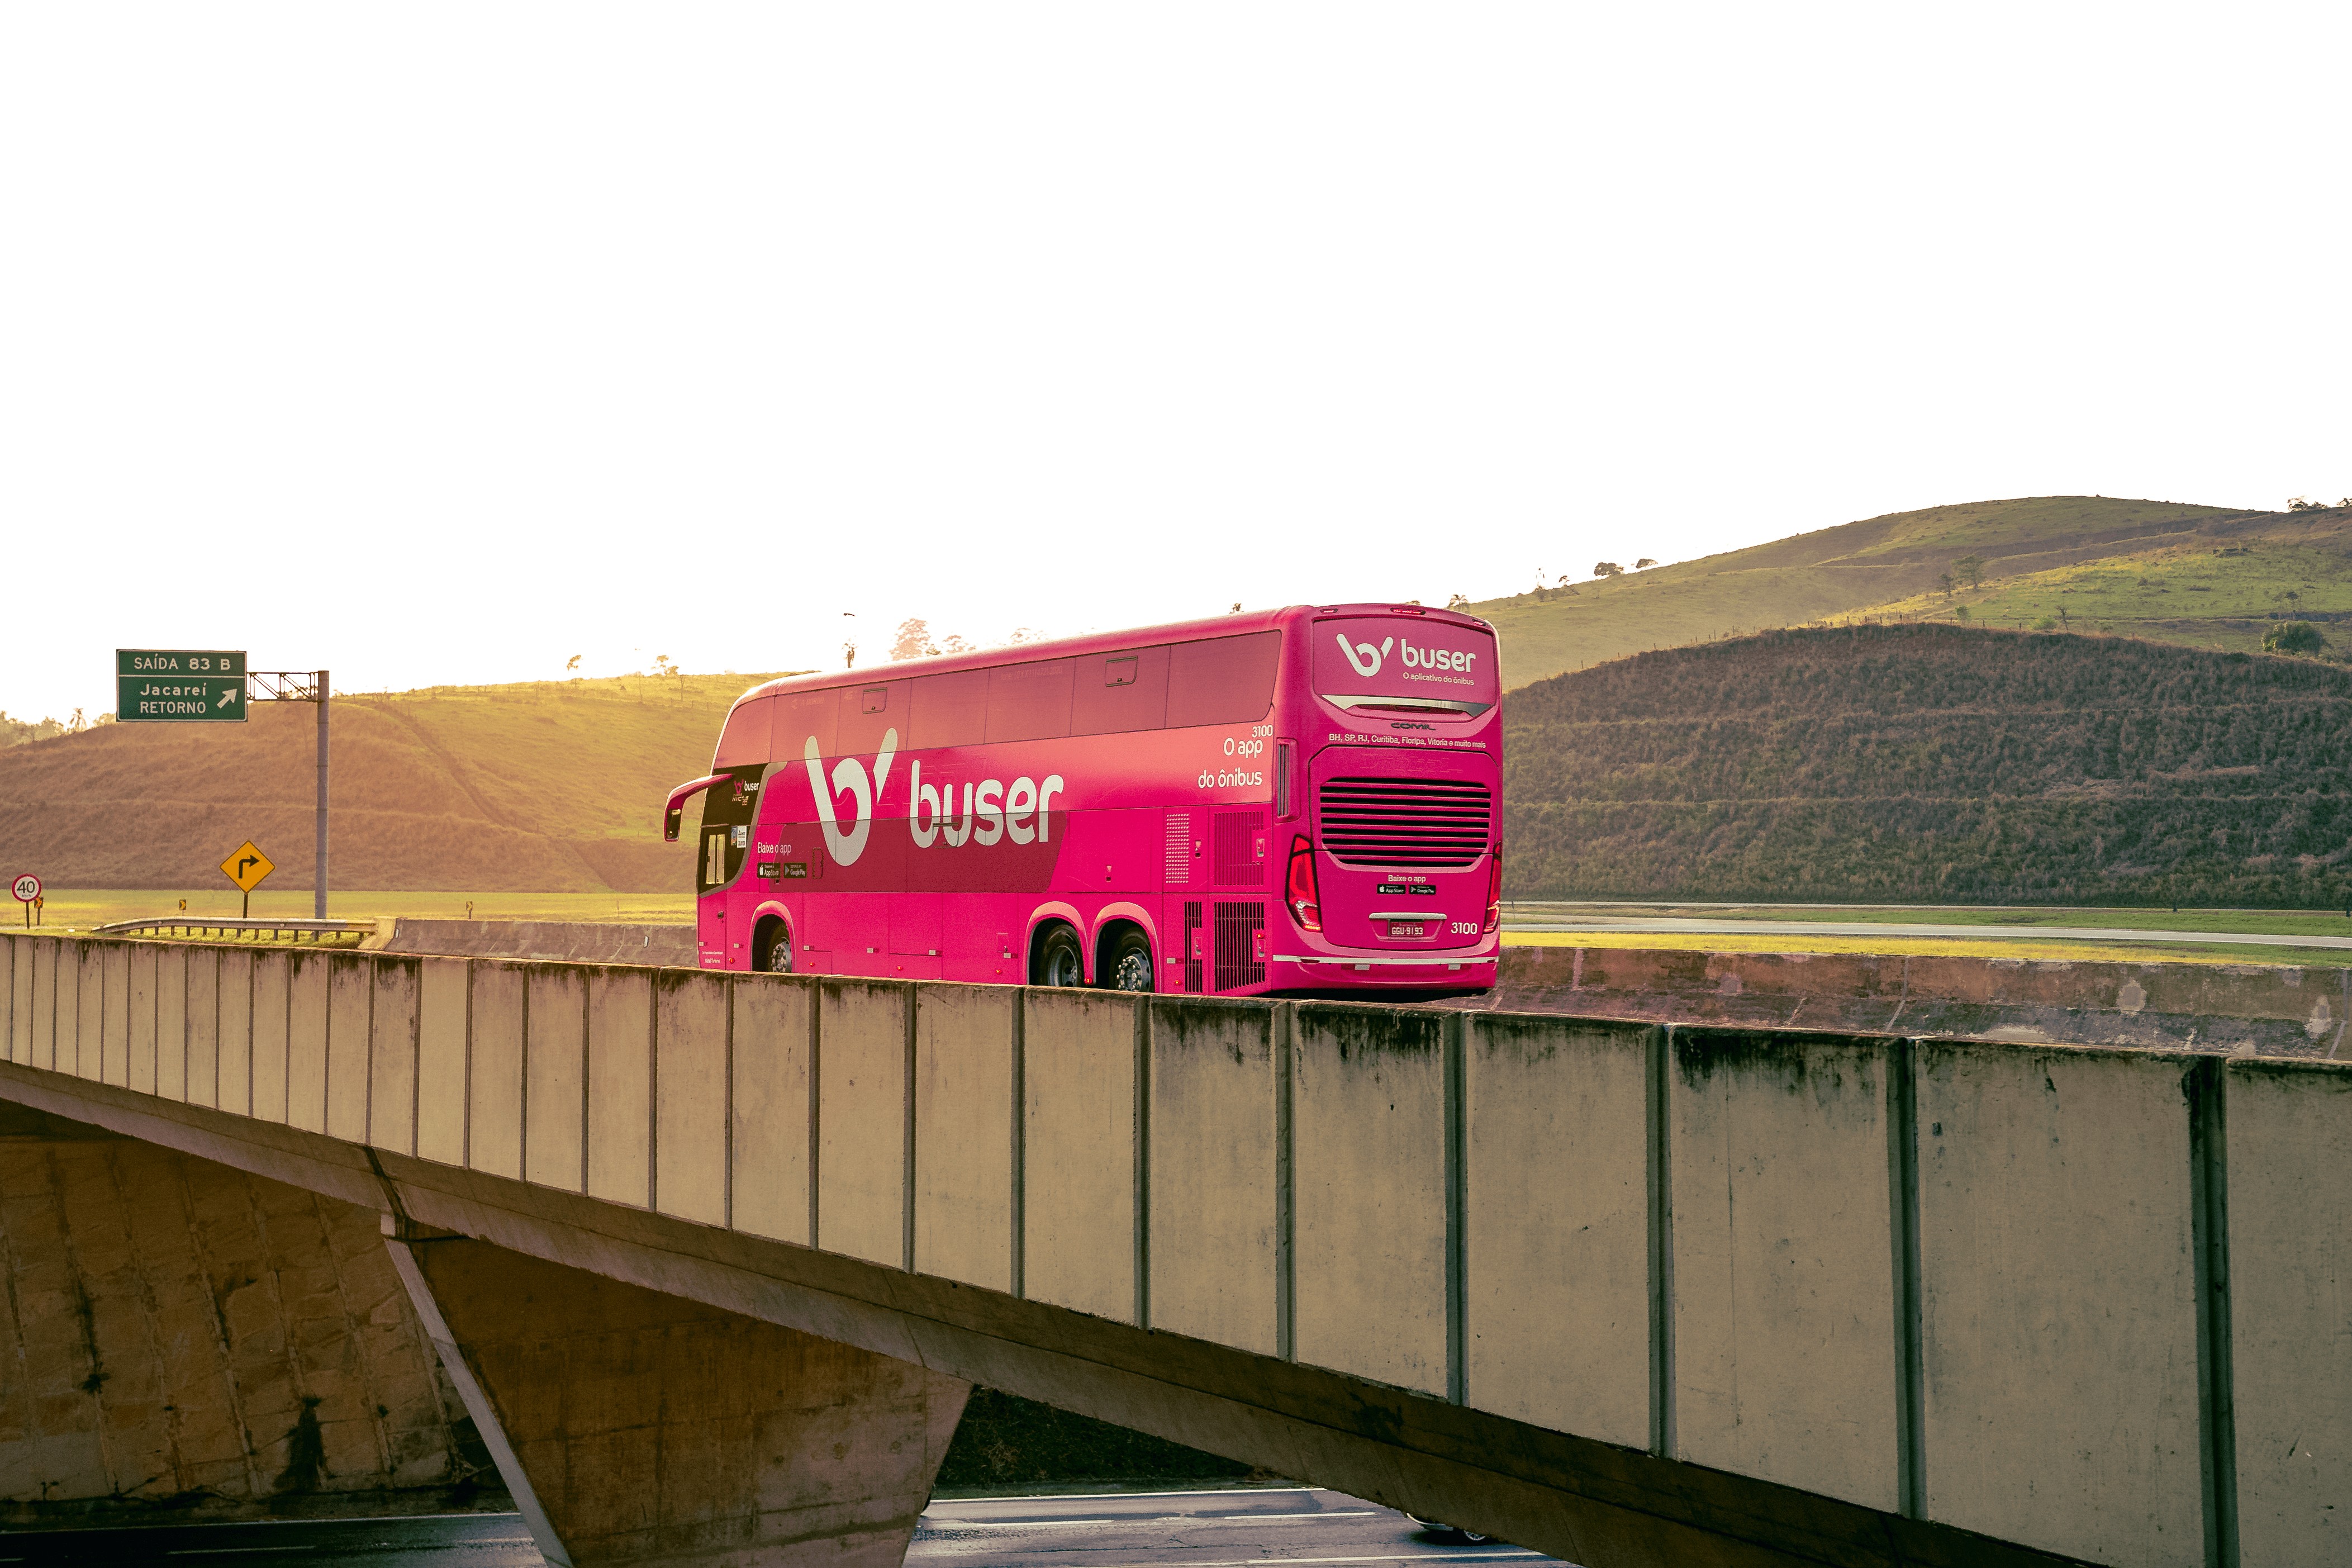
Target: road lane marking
224,1551
1044,1523
1280,1562
1310,1513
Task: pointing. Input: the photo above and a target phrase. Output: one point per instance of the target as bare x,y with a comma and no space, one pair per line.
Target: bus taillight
1306,902
1495,887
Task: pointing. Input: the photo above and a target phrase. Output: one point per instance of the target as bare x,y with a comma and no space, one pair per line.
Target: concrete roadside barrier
2236,1009
576,941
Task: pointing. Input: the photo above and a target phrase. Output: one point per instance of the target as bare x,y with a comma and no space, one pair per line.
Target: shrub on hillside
2293,636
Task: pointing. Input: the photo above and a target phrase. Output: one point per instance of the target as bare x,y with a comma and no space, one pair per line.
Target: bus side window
867,713
1029,702
800,717
947,709
744,741
1221,680
1115,693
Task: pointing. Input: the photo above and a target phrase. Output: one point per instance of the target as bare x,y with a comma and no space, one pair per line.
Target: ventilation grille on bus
1193,945
1434,822
1240,944
1237,848
1179,847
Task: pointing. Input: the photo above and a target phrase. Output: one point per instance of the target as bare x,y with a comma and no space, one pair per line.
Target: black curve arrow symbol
241,865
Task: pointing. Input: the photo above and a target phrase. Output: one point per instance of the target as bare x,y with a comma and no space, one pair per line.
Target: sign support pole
300,686
318,896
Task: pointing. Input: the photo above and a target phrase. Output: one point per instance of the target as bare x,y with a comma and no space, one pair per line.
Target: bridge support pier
633,1426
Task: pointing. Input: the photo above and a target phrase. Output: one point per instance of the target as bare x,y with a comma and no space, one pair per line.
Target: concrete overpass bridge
711,1260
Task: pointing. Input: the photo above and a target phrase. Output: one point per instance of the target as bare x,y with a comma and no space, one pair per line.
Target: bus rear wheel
1129,965
771,949
1060,959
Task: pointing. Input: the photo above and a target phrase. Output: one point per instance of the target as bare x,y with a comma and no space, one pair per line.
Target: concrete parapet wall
2085,1300
2239,1009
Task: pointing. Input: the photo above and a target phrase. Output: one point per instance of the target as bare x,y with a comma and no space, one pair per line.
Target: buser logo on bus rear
992,810
1367,660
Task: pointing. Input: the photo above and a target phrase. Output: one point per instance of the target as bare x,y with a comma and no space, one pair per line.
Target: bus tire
1060,959
1127,964
771,948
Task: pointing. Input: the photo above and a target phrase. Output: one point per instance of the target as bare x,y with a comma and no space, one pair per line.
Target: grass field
81,910
2040,949
2268,922
2145,568
550,784
2182,594
66,909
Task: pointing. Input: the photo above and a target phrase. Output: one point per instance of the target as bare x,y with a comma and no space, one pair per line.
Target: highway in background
1242,1528
1657,925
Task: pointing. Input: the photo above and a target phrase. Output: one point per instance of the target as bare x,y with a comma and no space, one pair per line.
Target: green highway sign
180,686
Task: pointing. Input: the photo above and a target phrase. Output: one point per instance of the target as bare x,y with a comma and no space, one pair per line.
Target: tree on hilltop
913,641
1608,568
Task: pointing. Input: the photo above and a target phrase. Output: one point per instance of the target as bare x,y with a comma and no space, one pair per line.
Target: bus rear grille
1433,823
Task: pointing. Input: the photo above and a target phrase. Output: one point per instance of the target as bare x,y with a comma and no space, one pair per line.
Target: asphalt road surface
1197,1530
1237,1528
442,1540
1661,925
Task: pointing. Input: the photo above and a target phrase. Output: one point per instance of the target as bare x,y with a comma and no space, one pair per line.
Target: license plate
1407,928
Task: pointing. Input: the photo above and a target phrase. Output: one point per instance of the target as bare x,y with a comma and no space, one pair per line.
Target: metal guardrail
320,933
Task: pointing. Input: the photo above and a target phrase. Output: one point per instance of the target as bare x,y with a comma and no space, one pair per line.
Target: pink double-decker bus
1303,800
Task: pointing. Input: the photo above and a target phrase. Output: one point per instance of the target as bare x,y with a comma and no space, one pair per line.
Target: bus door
722,848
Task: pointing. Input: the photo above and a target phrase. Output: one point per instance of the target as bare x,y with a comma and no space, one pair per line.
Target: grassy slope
550,787
2189,592
2094,549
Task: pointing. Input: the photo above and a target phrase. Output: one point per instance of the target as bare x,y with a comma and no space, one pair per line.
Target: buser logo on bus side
1001,811
1367,660
991,810
846,845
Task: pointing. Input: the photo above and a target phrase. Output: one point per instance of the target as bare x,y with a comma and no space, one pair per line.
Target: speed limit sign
27,888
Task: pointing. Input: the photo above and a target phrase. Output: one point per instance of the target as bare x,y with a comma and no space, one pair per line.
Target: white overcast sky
440,342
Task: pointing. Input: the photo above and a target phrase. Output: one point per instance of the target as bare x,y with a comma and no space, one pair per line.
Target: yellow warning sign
247,865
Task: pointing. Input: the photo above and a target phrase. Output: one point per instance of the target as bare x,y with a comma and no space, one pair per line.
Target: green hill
2206,577
1934,764
551,786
